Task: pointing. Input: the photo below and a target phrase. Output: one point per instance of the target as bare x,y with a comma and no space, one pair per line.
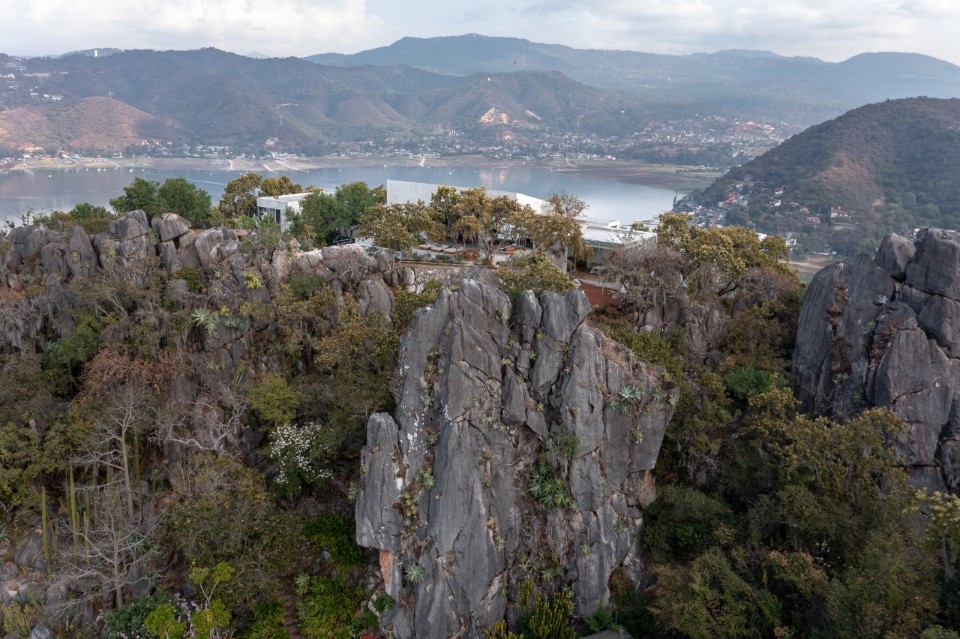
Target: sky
827,29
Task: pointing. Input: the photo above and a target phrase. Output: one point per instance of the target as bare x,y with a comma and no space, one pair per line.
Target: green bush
532,273
306,285
708,599
331,610
684,522
335,533
222,512
542,618
128,621
744,382
192,275
267,622
408,303
273,399
67,356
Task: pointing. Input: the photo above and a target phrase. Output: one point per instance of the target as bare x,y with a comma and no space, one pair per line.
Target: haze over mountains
492,89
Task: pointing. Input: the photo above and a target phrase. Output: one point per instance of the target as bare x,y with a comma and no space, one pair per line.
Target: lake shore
668,176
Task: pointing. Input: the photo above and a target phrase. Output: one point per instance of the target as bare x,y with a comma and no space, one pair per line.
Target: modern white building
276,207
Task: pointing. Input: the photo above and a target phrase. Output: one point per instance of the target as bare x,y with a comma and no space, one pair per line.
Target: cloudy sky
828,29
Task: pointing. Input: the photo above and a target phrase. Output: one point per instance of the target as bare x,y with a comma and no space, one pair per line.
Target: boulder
82,259
169,226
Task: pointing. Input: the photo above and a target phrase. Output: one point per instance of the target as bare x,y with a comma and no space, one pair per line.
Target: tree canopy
175,195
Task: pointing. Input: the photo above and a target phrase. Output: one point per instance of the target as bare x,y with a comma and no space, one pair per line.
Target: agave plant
205,318
416,573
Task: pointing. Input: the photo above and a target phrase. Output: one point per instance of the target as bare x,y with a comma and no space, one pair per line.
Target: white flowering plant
301,452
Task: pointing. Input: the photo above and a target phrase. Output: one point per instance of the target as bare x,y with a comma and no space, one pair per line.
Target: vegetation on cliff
183,412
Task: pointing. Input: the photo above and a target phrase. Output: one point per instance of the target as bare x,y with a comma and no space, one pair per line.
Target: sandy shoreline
665,176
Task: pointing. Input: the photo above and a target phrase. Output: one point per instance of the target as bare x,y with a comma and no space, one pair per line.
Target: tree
326,217
112,548
399,226
566,204
114,441
718,257
277,186
179,196
140,194
445,205
552,234
532,273
240,197
708,600
93,219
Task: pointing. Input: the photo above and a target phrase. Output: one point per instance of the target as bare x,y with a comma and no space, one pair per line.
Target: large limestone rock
494,407
883,331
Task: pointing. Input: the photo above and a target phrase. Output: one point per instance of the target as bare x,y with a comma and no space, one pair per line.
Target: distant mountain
89,123
883,167
96,53
754,84
213,97
491,89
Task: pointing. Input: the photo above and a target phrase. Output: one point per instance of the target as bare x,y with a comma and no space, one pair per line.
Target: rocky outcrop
522,446
885,331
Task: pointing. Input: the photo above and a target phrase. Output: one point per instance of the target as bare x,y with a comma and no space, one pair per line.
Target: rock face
521,446
885,331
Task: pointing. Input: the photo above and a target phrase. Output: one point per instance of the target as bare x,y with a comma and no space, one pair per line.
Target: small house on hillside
276,207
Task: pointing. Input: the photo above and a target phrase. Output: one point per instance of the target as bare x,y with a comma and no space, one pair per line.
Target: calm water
44,191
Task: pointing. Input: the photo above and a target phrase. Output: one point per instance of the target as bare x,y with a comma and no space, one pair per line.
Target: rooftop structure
276,207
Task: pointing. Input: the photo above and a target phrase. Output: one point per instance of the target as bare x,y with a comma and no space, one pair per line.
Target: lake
49,190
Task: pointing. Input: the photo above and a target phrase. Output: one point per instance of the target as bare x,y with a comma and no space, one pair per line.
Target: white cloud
275,27
829,29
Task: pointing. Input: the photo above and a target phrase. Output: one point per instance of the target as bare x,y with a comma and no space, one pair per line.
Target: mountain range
757,84
491,89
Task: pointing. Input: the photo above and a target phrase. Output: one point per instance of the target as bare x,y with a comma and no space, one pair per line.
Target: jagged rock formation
522,446
885,331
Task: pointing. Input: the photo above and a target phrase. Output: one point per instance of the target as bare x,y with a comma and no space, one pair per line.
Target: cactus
545,619
72,506
499,631
45,527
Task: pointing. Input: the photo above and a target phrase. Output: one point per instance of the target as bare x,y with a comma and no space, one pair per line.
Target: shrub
273,399
302,453
222,512
335,533
306,285
683,522
128,621
192,275
268,622
331,610
745,381
532,273
408,303
542,618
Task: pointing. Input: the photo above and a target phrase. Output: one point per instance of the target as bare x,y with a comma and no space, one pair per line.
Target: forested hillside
884,167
